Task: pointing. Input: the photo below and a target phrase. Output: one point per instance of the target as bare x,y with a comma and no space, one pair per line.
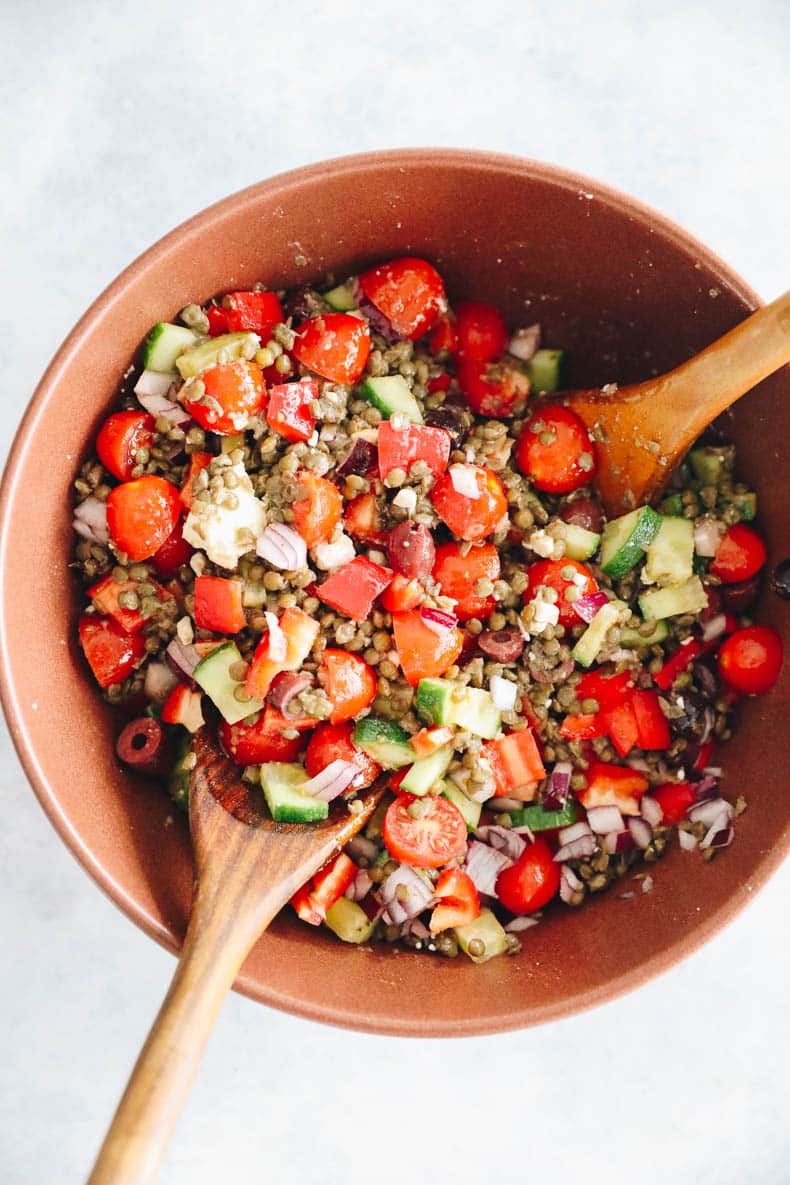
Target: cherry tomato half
408,291
239,391
317,515
491,388
532,881
458,573
458,901
422,653
174,552
750,659
253,744
120,436
470,518
333,742
350,683
739,556
336,346
555,451
141,515
428,838
558,574
482,332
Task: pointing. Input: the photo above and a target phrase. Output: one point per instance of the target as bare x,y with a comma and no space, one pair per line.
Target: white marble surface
120,120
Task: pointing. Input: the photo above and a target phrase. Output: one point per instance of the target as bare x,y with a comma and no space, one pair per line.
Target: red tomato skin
238,388
350,684
491,390
422,653
253,744
482,332
532,881
429,842
335,345
288,410
548,572
443,337
739,556
458,574
317,515
253,312
120,436
332,742
112,652
174,552
141,515
471,518
554,467
218,604
458,901
750,660
408,291
674,798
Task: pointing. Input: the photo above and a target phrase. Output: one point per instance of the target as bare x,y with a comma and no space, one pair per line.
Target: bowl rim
15,715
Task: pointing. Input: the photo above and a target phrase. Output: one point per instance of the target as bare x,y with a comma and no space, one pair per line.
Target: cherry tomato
422,653
408,291
142,515
174,552
443,337
350,683
739,556
470,518
217,320
112,652
120,436
491,388
555,451
674,798
532,881
458,572
336,346
253,744
750,659
402,594
458,901
317,515
239,390
550,573
333,742
256,312
428,839
482,332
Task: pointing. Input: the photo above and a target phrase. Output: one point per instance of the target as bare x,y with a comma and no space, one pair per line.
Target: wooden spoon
247,868
643,431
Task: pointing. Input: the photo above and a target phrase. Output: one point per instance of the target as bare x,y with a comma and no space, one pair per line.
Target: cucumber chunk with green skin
392,396
287,803
213,674
178,778
710,464
164,344
488,932
232,346
349,921
580,544
659,603
384,741
433,700
470,809
670,555
341,299
441,701
537,818
626,539
590,643
633,640
427,771
545,370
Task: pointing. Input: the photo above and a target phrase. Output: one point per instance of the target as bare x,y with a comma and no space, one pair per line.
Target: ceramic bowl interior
628,294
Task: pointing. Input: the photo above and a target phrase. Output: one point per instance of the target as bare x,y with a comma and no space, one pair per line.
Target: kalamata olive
285,688
584,512
501,645
737,598
556,674
451,419
780,580
362,457
303,303
411,550
143,746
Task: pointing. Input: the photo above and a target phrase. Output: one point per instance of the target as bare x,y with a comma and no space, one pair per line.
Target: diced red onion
570,884
360,847
647,884
504,839
464,479
282,547
575,831
360,886
483,865
419,894
331,781
559,786
650,809
90,520
183,659
587,606
706,788
720,834
713,771
577,849
522,922
480,792
416,928
438,620
525,343
524,830
687,841
604,819
158,406
160,680
708,811
641,832
278,643
379,322
153,383
707,536
503,693
618,841
498,803
714,628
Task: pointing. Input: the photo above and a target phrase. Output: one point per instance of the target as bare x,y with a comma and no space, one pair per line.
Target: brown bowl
628,294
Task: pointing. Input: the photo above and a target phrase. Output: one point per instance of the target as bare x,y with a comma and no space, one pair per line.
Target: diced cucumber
253,595
589,644
441,701
349,921
710,463
672,506
281,781
670,555
487,930
341,298
384,741
391,395
659,603
537,818
213,674
207,354
470,809
228,444
178,778
433,700
545,370
427,771
746,504
633,640
580,544
626,539
164,344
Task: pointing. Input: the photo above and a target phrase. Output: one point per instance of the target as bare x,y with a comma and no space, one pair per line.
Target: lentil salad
343,519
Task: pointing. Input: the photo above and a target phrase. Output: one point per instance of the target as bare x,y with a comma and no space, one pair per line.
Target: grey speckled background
120,120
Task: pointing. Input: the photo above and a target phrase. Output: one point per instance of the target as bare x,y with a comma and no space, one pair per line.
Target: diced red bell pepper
325,888
651,724
422,653
440,383
608,690
288,410
702,759
682,658
254,312
403,594
197,461
399,448
218,604
582,728
300,632
353,588
613,785
217,320
112,652
516,764
106,594
674,798
184,706
428,740
620,723
362,520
